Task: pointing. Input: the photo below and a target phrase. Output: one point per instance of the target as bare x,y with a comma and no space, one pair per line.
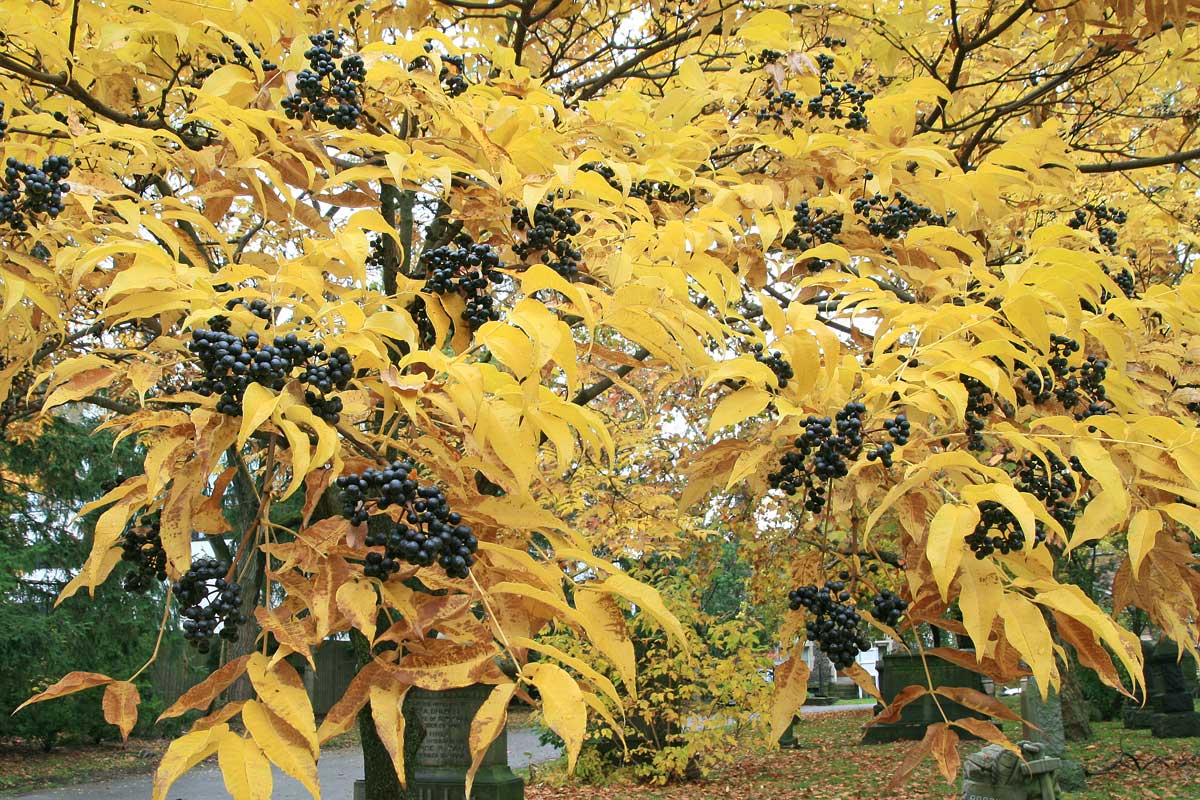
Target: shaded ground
831,765
338,769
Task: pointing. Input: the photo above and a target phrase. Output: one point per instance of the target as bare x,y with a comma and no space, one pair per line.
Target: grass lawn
831,765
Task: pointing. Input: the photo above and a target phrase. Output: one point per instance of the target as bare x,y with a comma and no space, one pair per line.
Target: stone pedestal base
788,740
491,783
819,700
1175,726
1174,703
1136,718
973,790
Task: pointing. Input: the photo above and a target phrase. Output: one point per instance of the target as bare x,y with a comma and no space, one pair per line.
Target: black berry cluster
3,121
846,101
765,57
663,191
331,89
998,530
238,55
429,532
30,191
142,547
833,41
1101,218
258,307
467,268
888,608
898,429
821,454
775,362
892,217
1125,282
231,363
833,624
1069,384
207,601
451,74
813,227
550,233
1054,483
980,405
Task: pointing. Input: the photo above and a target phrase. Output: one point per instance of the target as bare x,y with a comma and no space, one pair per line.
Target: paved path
338,769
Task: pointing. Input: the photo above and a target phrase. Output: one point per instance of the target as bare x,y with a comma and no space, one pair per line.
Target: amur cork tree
915,280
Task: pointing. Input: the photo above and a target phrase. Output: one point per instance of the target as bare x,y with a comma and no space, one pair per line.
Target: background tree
418,265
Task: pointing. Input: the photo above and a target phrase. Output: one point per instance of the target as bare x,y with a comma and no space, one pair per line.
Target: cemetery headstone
898,670
1046,715
441,762
996,773
1174,715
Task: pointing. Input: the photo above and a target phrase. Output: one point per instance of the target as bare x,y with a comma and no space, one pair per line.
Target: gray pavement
337,769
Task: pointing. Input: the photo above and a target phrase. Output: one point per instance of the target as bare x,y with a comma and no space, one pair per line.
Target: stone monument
1174,713
1046,715
1168,710
439,768
897,670
996,773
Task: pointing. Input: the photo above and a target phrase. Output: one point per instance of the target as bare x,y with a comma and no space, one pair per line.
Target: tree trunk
378,772
1077,721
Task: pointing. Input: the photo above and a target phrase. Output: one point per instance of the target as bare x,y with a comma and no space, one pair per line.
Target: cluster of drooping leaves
467,268
551,233
30,191
231,363
827,447
141,546
427,532
331,89
207,602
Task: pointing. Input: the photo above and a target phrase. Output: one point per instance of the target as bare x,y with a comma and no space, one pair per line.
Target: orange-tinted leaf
205,692
69,684
945,750
120,705
488,723
987,731
860,676
789,692
903,698
977,701
344,712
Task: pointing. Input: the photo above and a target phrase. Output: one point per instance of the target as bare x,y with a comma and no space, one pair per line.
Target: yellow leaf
604,623
563,707
789,691
734,408
282,691
298,450
486,726
258,404
246,771
1026,630
184,753
1143,530
647,599
387,710
358,601
979,600
945,545
579,665
282,744
120,705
